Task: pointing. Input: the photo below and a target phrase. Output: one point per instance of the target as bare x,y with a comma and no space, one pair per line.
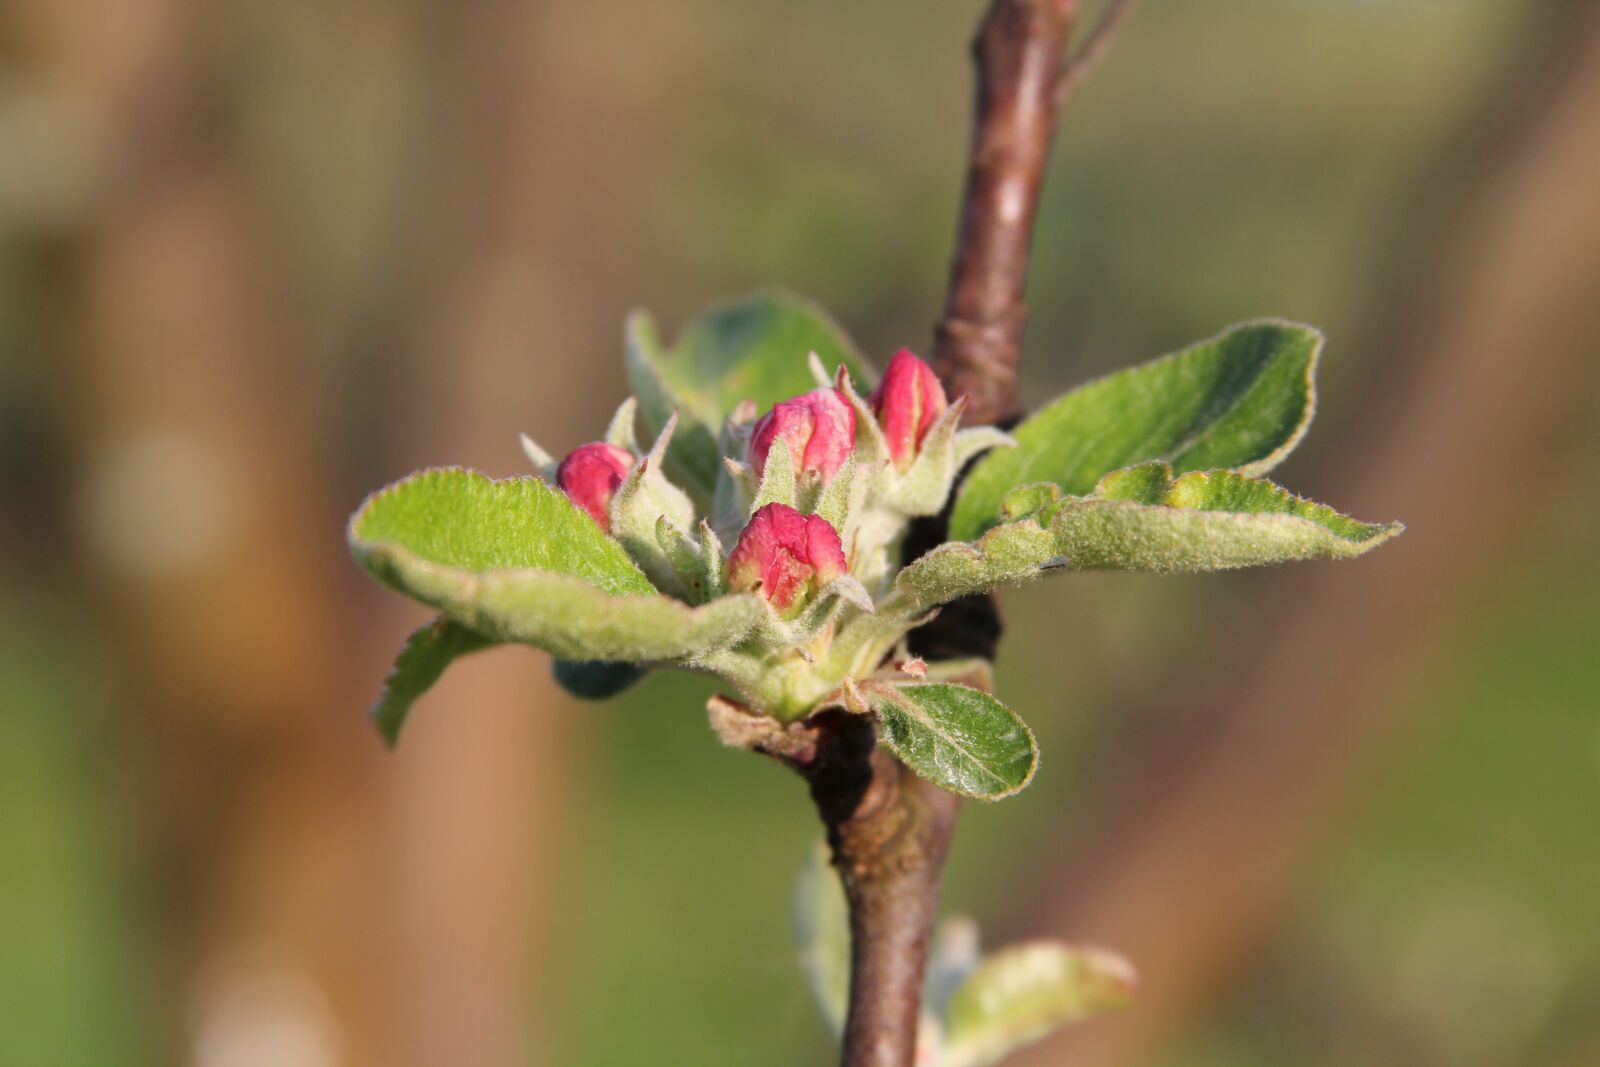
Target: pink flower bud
819,427
907,402
590,476
784,555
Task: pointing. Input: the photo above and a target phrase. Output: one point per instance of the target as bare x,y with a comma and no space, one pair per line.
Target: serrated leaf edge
1254,468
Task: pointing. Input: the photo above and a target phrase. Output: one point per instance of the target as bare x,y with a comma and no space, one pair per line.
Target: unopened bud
590,476
819,427
907,402
785,556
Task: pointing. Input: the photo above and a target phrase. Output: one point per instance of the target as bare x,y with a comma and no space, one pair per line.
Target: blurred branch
1213,825
1094,50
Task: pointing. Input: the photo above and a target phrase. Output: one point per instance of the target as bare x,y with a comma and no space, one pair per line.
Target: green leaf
1242,399
752,349
958,738
427,652
1145,520
822,934
516,561
595,679
1139,519
466,521
1022,993
1007,555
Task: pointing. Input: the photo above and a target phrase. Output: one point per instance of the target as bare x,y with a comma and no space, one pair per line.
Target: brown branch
890,830
891,858
1020,51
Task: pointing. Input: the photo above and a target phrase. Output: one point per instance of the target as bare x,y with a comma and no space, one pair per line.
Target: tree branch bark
889,830
1020,52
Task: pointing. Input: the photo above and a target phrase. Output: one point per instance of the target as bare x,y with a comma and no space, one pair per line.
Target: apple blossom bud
590,476
784,555
907,402
819,427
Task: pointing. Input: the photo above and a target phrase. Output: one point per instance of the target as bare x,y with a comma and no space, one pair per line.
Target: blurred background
258,257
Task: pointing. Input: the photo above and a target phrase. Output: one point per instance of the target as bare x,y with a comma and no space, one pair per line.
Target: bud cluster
814,495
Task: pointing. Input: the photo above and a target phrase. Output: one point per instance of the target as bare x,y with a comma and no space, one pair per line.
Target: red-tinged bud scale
819,427
784,555
907,402
590,476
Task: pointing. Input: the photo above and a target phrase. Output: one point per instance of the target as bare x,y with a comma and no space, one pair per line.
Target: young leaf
1139,519
822,934
1145,520
465,521
1006,555
427,652
595,679
753,349
1242,399
958,738
574,620
1022,993
516,561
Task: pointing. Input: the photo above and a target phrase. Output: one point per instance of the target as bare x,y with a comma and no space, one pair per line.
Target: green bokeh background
1235,158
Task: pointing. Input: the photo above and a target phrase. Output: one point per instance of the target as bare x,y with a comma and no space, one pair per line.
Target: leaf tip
387,723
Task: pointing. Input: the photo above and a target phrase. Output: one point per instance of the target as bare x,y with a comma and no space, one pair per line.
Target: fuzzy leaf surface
469,522
1021,993
1006,555
427,652
1143,519
752,349
956,737
1139,519
516,561
1241,400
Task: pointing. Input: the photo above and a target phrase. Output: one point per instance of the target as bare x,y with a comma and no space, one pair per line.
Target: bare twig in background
1094,50
1222,819
889,829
